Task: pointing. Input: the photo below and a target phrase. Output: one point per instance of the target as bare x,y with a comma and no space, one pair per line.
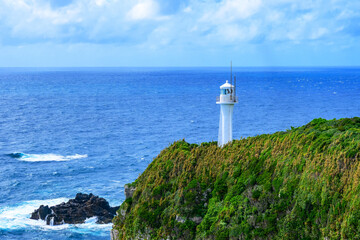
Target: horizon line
305,66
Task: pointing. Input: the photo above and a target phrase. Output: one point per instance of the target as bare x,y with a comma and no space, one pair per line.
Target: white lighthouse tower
227,99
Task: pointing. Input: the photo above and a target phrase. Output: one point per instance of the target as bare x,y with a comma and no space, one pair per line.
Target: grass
299,184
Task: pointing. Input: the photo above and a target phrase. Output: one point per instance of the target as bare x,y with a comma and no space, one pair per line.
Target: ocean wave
45,157
18,217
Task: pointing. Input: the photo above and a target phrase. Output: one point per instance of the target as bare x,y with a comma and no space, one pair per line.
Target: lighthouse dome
226,85
227,94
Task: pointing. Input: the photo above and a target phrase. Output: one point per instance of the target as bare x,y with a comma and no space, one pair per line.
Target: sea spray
50,157
17,217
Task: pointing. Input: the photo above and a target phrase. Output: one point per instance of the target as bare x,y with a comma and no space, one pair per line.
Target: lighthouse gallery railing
232,98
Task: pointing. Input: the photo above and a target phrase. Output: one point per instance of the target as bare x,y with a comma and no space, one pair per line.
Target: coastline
256,186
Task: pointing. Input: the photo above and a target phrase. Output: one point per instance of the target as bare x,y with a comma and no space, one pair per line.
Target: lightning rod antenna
231,72
234,88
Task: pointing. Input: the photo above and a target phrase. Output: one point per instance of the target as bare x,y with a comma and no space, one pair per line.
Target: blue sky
56,33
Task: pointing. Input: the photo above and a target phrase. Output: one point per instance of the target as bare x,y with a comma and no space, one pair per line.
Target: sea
92,130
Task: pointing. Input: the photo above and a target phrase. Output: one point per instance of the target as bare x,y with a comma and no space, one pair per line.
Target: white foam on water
18,217
49,157
90,223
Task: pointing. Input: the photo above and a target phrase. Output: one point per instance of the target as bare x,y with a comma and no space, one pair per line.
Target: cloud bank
157,24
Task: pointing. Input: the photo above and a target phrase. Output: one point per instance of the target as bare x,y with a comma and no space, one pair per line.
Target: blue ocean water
96,129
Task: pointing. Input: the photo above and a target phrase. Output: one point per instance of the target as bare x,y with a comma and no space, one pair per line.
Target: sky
179,33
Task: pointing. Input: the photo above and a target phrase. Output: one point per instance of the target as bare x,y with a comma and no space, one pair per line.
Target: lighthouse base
225,124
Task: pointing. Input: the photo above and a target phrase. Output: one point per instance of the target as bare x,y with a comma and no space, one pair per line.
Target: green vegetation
299,184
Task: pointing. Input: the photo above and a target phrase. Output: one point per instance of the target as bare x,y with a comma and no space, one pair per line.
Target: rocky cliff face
76,211
114,234
129,190
302,183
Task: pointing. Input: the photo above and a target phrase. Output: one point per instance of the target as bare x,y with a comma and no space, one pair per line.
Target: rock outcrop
76,211
114,234
129,190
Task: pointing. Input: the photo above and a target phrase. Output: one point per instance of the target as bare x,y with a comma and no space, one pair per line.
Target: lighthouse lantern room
226,100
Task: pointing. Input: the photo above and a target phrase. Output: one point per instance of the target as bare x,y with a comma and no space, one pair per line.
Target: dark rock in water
41,213
16,155
77,211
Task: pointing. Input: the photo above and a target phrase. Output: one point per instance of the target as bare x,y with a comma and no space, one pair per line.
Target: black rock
77,211
41,213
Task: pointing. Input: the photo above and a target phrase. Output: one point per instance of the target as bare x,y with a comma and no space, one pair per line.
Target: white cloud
100,2
318,33
231,10
197,23
187,9
145,9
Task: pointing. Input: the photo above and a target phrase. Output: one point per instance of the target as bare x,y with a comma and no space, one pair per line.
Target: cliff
302,183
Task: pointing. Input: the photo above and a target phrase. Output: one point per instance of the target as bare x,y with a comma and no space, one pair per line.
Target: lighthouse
226,100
